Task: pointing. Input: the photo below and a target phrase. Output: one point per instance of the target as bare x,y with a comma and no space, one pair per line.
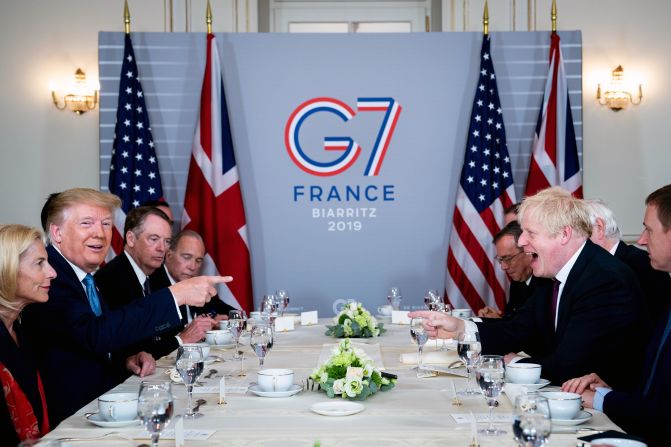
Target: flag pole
126,17
553,16
208,18
485,19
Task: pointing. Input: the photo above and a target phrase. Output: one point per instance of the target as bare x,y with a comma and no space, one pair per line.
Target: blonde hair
57,209
555,208
14,241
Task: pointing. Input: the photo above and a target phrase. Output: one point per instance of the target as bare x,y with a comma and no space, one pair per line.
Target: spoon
199,402
211,373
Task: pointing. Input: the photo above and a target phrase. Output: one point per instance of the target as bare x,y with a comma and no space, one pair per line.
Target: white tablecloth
415,412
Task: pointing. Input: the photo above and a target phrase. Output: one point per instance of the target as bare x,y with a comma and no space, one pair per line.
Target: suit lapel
65,271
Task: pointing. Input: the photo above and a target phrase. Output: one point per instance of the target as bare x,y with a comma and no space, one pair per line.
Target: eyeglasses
507,259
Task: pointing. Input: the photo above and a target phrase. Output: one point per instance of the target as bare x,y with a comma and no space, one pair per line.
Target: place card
309,318
400,317
179,432
284,324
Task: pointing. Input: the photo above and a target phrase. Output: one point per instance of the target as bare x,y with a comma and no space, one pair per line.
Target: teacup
563,405
219,337
275,379
462,313
205,347
385,310
524,373
117,407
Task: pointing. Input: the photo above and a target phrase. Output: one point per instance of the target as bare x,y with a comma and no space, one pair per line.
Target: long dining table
418,411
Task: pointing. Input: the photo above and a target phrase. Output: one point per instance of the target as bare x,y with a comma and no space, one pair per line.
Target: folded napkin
430,357
449,343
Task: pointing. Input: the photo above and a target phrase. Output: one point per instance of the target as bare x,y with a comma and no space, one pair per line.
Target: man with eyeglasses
517,266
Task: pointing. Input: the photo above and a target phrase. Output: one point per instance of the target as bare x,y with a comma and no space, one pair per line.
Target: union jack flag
485,190
554,159
213,202
134,174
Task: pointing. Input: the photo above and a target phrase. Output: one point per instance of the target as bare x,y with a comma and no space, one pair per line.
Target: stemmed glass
269,306
419,337
431,299
189,365
155,407
261,340
468,349
282,300
237,314
237,326
532,423
490,372
394,297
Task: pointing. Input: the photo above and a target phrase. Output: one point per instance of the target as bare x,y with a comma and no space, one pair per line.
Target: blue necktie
92,295
662,341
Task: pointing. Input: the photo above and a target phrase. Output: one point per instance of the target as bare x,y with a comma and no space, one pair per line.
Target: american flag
134,174
554,160
485,190
213,201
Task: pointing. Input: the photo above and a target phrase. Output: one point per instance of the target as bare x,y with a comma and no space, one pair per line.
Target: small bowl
523,373
205,347
275,379
564,406
219,337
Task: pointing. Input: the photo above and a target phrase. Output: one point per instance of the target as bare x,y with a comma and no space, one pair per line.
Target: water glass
282,300
237,327
490,373
469,349
532,423
189,365
155,407
261,340
419,337
394,297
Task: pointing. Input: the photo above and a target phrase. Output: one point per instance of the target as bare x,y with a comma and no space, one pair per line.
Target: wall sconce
82,98
616,97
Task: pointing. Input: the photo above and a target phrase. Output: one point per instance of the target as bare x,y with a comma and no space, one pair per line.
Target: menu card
284,324
400,317
309,318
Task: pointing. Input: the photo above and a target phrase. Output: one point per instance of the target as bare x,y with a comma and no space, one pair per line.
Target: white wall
626,154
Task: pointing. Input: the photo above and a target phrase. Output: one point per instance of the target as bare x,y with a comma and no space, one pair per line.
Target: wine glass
189,365
531,420
469,349
155,407
394,297
490,373
283,300
237,326
269,306
431,298
419,337
237,314
260,340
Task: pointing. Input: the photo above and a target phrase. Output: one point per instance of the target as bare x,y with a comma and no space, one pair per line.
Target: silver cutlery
112,434
211,373
199,402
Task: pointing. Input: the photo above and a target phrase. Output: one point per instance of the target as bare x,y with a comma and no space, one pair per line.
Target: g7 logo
349,148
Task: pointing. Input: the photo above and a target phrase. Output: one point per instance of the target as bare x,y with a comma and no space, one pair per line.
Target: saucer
96,419
295,389
582,416
226,346
534,386
383,317
337,408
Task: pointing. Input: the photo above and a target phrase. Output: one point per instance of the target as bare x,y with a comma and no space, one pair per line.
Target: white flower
353,387
353,306
354,373
323,377
367,370
339,386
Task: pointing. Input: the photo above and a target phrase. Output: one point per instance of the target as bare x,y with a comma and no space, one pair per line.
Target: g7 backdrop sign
349,151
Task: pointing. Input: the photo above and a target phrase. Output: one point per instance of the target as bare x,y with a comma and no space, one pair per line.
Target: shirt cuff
179,313
470,327
179,340
516,359
599,396
476,319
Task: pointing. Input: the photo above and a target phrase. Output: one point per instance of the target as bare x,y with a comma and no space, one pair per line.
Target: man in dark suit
606,233
517,266
127,277
76,337
644,412
184,260
585,320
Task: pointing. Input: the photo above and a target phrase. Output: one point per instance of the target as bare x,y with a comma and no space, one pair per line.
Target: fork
112,434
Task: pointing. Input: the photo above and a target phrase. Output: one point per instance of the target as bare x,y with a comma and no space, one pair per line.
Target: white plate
383,317
227,346
618,442
96,419
337,408
534,386
295,389
582,417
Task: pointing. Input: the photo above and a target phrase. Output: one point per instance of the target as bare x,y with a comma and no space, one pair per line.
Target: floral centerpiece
355,321
350,374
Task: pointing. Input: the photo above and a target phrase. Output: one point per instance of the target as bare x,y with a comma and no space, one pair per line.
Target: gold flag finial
553,16
208,18
485,19
126,17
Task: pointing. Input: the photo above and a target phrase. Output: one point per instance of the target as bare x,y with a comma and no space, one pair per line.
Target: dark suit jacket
648,415
73,346
159,279
520,293
600,316
120,286
656,284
